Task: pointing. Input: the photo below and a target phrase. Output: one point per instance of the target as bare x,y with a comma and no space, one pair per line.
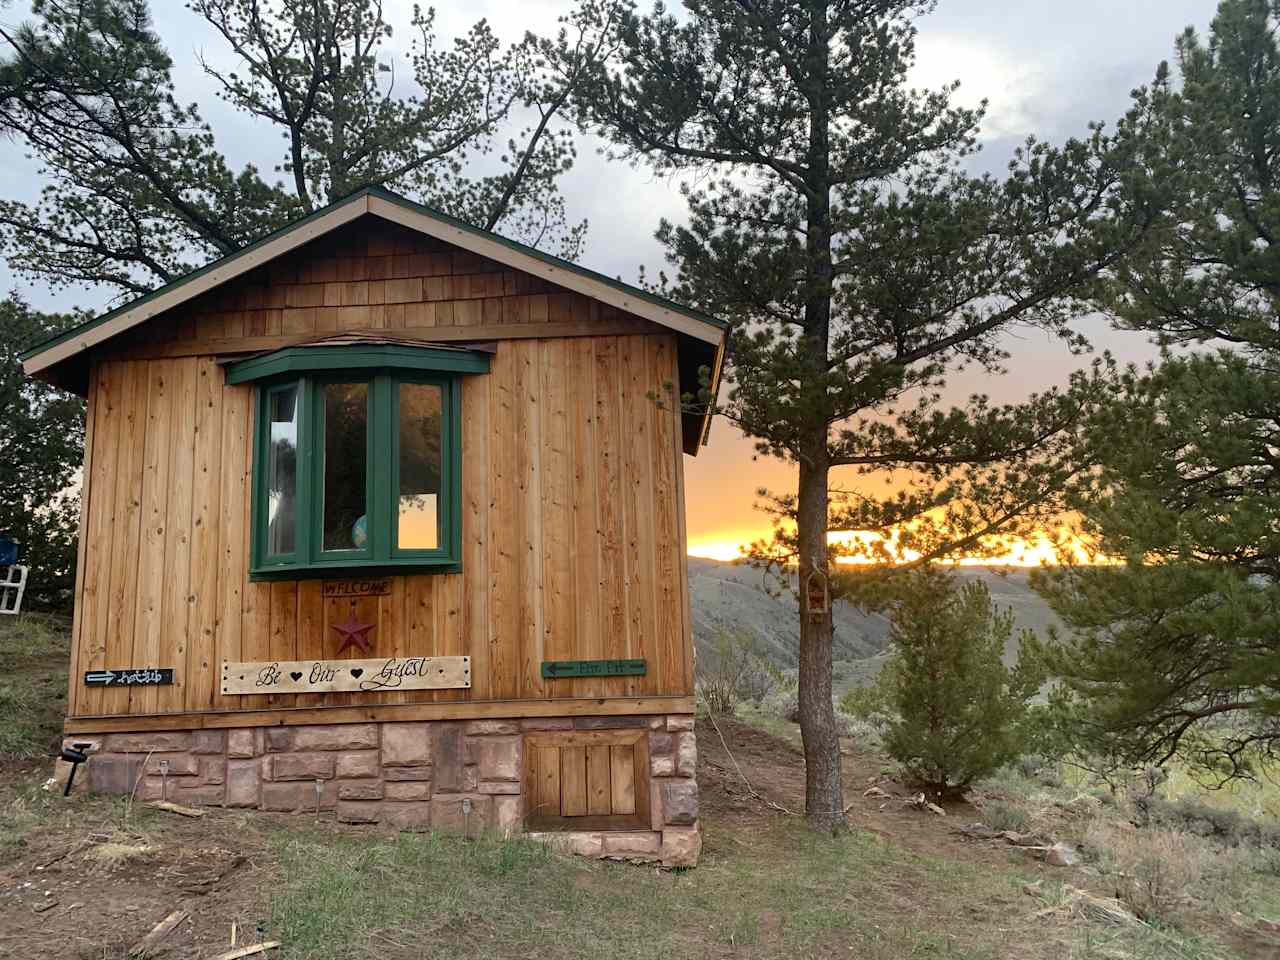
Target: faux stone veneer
405,775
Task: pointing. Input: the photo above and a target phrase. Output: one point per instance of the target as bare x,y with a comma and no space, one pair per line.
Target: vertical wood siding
572,525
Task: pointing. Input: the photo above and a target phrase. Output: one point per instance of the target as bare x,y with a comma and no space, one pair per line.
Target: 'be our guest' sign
346,676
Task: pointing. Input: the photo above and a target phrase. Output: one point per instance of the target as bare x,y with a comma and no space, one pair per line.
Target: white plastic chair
12,589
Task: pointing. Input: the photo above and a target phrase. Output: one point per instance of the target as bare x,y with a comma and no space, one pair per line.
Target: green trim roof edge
356,356
393,197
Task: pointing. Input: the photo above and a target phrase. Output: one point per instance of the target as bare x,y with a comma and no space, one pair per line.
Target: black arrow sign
140,677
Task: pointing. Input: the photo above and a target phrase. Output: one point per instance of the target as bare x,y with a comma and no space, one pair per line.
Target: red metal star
355,633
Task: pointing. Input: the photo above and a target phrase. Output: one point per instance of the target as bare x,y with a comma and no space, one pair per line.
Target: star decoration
355,634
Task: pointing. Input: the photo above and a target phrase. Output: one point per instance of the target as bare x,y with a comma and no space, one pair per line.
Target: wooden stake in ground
178,809
248,951
161,930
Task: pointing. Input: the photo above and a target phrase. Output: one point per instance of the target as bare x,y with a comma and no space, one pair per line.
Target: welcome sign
338,589
346,676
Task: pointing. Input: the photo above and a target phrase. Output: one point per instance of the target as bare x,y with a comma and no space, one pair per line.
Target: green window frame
306,372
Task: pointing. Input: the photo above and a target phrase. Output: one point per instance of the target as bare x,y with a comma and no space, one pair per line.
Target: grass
1258,798
764,890
772,892
34,638
24,810
776,891
769,890
33,683
1144,943
409,895
767,721
27,807
23,735
1179,883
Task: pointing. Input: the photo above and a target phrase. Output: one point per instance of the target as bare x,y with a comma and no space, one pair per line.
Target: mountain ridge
734,597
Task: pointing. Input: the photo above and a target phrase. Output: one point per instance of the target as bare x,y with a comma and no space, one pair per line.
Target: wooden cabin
384,516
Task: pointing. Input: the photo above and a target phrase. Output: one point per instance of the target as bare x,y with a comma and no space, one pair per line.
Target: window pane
346,430
282,471
420,435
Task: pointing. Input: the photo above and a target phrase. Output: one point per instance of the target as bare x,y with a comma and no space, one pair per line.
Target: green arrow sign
555,669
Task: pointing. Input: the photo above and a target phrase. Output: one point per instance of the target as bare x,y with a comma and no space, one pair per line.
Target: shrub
1266,861
1191,815
1041,769
951,711
1154,871
791,708
857,729
778,702
734,670
871,703
1005,816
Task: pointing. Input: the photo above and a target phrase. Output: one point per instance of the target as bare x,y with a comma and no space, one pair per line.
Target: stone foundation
456,776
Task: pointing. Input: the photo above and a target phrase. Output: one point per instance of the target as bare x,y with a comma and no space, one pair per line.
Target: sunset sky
1047,68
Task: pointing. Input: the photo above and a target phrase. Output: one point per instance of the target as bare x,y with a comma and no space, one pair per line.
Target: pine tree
831,222
41,448
1175,650
138,192
954,713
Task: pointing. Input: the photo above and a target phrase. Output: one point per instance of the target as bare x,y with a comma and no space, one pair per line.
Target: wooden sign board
555,669
338,589
141,677
347,676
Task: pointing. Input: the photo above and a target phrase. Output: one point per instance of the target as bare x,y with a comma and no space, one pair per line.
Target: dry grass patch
1158,873
112,853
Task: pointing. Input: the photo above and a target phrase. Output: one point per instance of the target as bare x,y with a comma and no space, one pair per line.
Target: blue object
8,552
360,532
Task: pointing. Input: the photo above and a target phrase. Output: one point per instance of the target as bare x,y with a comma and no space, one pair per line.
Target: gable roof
702,336
707,332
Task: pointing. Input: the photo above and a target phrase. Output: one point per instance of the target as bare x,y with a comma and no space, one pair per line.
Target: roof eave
47,360
389,207
94,332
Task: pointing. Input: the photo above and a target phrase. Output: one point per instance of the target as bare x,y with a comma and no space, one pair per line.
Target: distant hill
734,597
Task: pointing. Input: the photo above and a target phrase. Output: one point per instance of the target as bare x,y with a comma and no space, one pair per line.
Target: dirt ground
90,880
758,774
93,876
87,878
774,769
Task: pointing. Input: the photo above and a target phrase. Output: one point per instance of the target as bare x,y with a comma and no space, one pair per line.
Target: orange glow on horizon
1033,552
725,511
725,547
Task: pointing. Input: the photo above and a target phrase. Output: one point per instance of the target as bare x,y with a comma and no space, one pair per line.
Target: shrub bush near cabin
950,710
734,669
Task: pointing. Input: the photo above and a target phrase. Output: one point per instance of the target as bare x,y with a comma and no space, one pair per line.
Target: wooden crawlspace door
587,780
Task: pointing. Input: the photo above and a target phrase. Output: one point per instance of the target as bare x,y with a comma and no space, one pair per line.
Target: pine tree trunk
824,790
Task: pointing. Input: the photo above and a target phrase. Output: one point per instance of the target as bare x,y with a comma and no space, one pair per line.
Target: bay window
357,458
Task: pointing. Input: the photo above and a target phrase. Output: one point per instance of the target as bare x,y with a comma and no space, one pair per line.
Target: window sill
357,570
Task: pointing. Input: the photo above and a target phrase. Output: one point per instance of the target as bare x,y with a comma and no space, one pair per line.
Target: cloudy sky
1047,67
